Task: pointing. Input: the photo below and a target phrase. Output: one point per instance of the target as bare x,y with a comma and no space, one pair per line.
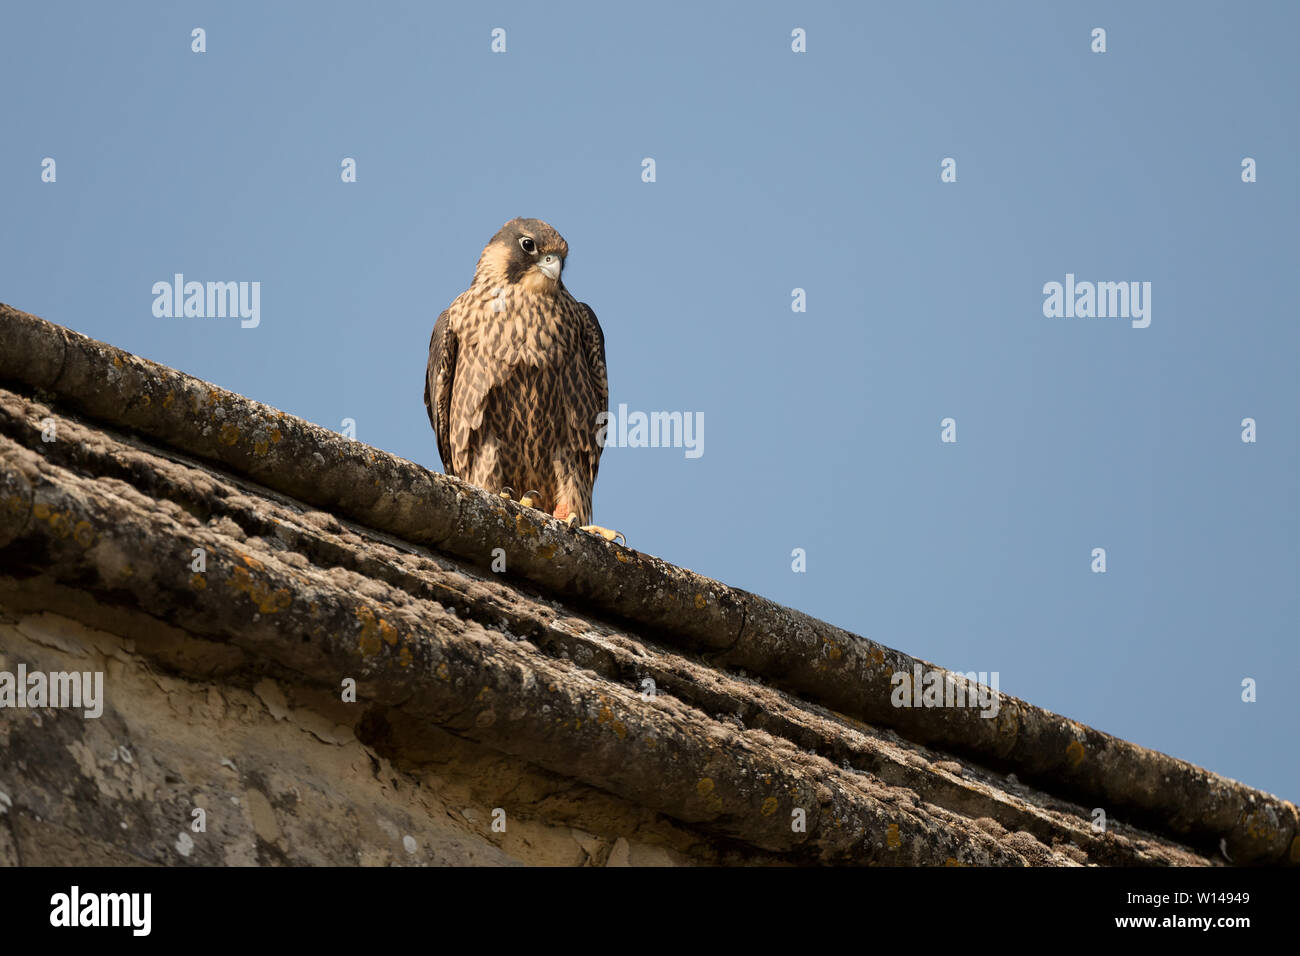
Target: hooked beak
550,265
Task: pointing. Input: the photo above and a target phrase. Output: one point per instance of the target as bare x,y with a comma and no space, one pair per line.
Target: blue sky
774,171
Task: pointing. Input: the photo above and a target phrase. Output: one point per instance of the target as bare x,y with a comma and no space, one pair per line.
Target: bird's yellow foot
529,498
508,493
606,533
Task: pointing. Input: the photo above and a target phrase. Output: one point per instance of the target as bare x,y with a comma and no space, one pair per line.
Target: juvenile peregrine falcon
516,377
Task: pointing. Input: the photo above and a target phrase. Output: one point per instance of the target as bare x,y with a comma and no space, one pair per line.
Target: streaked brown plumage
516,375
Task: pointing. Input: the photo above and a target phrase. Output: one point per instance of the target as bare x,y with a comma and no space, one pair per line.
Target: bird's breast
530,330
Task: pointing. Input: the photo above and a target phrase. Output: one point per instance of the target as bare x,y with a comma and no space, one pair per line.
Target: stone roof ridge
731,628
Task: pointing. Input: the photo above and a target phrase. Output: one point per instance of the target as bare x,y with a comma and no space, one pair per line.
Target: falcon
516,378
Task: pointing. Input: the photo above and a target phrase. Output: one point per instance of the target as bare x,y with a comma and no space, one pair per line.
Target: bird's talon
529,497
607,533
507,493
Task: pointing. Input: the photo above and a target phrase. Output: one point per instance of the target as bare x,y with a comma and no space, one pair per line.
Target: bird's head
525,252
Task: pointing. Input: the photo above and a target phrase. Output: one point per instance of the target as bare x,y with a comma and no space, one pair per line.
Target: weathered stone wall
279,772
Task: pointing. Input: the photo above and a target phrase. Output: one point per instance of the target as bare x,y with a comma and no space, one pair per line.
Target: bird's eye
528,245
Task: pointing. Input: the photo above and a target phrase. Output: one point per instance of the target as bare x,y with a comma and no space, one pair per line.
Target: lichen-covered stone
766,736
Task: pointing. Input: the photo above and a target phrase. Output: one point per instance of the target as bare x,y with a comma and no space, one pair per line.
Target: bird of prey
516,378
